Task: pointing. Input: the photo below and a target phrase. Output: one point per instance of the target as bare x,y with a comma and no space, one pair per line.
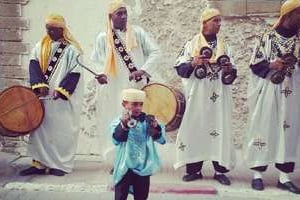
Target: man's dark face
294,19
55,33
119,18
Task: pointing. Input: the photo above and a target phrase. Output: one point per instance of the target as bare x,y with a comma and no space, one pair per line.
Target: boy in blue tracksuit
135,134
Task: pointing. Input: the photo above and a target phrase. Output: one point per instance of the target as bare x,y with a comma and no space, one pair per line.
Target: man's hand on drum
136,75
43,91
102,79
56,95
200,60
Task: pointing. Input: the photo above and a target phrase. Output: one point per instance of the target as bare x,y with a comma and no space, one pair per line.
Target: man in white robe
274,100
55,76
205,133
114,72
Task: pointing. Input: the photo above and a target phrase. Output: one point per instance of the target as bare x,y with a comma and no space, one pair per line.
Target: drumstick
85,67
45,98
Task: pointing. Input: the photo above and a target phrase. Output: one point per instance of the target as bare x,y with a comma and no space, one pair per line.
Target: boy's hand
154,124
125,118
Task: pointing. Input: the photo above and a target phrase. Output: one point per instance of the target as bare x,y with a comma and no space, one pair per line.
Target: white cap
133,95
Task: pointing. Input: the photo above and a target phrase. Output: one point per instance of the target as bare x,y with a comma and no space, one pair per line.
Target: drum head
160,101
21,110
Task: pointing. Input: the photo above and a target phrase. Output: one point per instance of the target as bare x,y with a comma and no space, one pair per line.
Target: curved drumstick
85,67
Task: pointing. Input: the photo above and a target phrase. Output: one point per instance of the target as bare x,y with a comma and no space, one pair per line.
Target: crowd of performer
126,57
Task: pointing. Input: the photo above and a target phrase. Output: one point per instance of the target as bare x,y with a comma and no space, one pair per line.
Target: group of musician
126,57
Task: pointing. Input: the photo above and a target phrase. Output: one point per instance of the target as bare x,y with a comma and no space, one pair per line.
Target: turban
199,40
58,21
287,7
115,5
209,13
110,64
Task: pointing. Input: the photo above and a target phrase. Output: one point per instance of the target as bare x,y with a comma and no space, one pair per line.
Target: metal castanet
21,111
227,77
201,70
222,60
131,123
279,76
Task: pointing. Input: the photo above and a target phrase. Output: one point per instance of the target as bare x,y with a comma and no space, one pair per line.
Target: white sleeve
151,52
184,54
99,53
35,52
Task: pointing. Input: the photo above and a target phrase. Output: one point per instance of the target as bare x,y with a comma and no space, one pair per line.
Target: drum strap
121,50
55,60
125,56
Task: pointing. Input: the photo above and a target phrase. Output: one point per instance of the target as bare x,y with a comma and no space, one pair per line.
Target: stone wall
12,47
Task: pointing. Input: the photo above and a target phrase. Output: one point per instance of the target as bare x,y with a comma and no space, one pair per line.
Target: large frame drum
21,111
167,104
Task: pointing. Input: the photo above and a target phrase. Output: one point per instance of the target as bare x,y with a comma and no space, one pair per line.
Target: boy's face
134,107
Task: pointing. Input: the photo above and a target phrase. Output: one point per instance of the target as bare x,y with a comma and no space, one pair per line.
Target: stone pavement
91,180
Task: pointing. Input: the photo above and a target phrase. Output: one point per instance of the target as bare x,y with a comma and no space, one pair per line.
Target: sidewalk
91,180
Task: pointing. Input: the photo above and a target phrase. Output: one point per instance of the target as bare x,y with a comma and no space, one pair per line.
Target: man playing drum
54,75
125,55
205,133
274,100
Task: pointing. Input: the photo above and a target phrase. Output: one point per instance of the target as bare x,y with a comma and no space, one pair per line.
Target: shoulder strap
125,56
55,60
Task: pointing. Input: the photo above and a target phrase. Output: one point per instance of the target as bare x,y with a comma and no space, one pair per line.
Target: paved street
91,180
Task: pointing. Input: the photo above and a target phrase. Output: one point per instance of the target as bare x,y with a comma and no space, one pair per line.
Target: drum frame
4,131
174,123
